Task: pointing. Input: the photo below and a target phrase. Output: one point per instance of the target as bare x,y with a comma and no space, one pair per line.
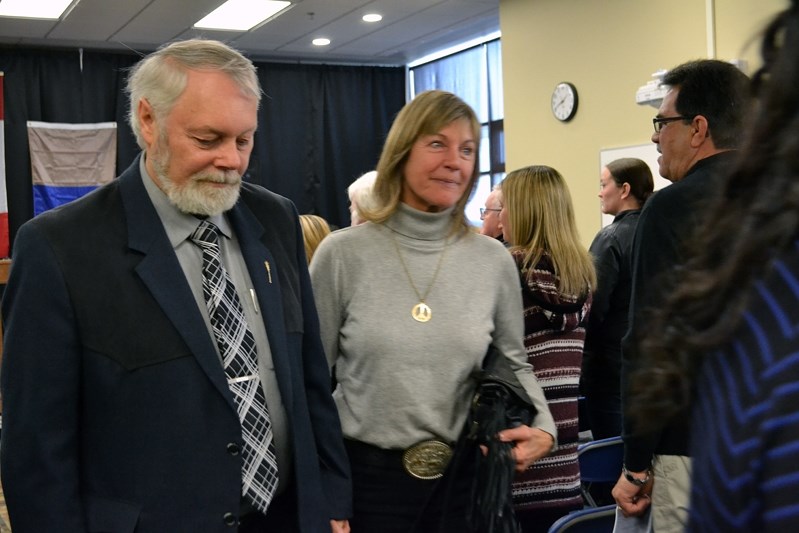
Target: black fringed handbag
500,402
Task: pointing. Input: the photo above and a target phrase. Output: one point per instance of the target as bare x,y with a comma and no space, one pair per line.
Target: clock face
564,101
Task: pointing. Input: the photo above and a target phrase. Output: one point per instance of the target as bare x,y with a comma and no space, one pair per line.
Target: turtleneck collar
421,225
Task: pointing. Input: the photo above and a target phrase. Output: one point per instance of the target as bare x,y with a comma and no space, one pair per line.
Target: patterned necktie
237,346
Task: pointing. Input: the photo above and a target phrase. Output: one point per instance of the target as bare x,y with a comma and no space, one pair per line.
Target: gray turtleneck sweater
401,381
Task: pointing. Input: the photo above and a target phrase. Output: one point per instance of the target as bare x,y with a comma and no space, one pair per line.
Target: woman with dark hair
624,186
557,277
727,341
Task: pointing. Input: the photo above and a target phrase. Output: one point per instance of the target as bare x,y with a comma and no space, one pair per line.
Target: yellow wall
607,49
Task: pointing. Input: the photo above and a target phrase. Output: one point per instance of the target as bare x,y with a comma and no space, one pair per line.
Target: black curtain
319,126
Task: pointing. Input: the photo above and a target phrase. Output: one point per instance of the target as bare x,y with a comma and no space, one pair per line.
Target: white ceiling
409,30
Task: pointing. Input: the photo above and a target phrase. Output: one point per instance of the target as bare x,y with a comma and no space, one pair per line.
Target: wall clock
564,101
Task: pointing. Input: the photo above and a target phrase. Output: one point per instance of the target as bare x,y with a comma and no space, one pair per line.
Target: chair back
601,460
591,520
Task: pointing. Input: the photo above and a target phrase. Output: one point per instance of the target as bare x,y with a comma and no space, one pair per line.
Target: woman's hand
531,444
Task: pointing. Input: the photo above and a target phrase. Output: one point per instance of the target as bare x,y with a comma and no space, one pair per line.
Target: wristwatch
634,480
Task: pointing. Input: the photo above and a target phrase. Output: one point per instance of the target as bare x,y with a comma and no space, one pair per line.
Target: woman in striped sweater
557,279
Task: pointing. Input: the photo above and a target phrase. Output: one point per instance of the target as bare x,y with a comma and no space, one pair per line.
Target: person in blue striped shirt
727,340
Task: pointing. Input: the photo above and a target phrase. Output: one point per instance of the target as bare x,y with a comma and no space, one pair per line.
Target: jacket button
230,519
233,448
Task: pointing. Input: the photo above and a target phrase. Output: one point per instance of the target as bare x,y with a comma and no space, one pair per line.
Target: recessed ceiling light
35,9
321,41
372,17
240,15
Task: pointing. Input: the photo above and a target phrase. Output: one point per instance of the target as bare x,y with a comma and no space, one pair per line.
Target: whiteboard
646,152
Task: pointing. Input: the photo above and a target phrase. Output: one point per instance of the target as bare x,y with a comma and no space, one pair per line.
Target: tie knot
205,234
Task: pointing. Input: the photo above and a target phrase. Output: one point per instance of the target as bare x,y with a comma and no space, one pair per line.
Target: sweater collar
421,225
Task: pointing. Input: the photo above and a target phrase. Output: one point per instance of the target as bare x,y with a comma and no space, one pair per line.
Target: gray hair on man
161,77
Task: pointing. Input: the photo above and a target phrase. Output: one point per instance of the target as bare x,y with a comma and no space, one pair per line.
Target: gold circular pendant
421,312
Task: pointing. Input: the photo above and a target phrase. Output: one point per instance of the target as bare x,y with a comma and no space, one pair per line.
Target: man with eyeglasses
490,215
696,131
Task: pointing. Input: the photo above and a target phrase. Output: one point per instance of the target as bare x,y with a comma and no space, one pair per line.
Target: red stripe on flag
4,235
4,240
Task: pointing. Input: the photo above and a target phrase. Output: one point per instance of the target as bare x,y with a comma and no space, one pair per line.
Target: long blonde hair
542,221
426,114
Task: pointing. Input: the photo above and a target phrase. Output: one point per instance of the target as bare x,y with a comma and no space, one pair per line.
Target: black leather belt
425,460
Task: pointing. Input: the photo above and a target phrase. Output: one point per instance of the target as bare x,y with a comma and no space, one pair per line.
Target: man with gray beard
163,369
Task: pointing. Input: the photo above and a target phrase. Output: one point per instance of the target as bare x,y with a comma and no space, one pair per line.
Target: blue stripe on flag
47,196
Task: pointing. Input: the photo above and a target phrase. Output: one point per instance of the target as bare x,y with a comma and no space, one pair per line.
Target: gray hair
161,77
361,188
360,194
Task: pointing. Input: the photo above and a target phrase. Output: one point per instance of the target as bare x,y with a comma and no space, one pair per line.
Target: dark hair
718,91
634,172
755,216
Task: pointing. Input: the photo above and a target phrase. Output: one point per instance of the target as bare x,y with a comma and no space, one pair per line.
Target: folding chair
600,462
590,520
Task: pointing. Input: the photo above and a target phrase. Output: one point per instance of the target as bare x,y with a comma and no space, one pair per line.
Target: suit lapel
161,273
264,267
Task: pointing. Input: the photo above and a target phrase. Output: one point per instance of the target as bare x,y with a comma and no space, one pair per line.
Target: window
474,74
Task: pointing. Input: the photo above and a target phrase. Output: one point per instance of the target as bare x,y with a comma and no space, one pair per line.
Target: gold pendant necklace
420,312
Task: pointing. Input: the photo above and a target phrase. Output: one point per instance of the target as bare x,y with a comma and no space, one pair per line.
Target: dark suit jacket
117,416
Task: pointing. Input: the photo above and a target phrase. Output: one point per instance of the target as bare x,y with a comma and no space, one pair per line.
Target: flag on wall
3,196
70,160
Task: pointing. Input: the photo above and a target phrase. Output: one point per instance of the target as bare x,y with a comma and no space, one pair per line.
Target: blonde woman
314,229
557,278
405,324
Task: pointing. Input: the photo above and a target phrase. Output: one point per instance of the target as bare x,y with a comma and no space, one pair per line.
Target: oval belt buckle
427,459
